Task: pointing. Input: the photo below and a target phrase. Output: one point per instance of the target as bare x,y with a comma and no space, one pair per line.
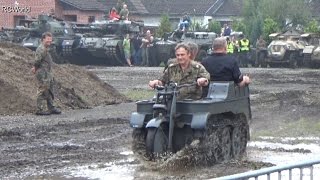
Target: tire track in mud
62,144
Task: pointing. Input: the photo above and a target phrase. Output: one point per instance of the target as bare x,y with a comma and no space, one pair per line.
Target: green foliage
313,27
269,26
214,26
286,12
164,27
239,26
197,26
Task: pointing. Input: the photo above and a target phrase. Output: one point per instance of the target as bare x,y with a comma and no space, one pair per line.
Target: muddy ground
75,87
96,143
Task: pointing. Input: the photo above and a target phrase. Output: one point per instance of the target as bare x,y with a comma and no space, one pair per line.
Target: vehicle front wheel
157,141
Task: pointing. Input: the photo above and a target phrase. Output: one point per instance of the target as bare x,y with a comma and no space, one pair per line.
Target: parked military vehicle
311,52
103,40
285,50
203,39
164,49
219,122
65,42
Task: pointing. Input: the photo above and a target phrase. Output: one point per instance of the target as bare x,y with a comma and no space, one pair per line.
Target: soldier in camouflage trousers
184,71
42,70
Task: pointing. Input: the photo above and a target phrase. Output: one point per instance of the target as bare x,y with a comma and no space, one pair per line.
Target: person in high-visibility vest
244,46
230,46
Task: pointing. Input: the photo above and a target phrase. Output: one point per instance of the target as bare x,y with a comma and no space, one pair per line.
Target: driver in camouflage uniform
184,71
42,70
193,53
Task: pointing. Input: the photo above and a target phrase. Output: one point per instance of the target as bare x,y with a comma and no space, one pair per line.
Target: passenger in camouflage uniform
42,70
184,71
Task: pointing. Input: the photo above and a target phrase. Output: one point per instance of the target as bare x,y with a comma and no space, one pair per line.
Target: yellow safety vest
244,45
230,48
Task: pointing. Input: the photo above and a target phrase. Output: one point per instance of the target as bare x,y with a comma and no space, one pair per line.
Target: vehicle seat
218,90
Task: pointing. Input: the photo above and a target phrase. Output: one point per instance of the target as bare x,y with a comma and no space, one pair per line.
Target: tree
312,27
286,12
214,26
269,26
239,26
164,27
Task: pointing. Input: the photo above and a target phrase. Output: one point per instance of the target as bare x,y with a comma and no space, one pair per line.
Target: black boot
42,113
55,111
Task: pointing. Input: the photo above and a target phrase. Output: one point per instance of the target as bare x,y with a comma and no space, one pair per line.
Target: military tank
285,50
165,46
202,39
65,42
311,52
164,49
219,123
103,40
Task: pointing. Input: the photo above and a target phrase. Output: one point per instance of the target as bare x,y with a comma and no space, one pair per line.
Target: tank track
225,138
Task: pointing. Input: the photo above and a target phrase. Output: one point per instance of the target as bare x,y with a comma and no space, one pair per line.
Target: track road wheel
157,141
224,147
293,63
307,61
239,140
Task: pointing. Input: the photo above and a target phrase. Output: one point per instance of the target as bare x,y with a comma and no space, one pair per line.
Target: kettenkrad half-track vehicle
219,122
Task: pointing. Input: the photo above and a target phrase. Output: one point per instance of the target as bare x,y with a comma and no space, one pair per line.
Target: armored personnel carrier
285,50
103,39
219,122
64,44
311,52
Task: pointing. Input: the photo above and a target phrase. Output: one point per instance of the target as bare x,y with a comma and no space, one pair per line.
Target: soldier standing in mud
185,71
147,42
260,45
42,70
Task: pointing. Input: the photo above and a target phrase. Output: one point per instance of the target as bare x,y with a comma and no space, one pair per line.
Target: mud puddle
120,170
277,151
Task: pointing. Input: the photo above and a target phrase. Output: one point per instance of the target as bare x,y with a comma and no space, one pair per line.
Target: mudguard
308,50
199,120
137,120
155,122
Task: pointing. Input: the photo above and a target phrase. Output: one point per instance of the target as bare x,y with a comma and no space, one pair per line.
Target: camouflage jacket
174,73
43,65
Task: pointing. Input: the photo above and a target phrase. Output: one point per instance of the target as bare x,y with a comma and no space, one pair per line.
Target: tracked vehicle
285,50
220,122
103,40
311,52
65,42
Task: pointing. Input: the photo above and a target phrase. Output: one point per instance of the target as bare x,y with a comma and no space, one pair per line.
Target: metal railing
279,170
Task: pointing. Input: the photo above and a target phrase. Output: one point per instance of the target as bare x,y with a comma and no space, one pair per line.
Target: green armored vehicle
202,39
217,125
65,42
311,52
285,50
103,40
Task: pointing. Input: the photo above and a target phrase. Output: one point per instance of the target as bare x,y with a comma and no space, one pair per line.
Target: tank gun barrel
19,29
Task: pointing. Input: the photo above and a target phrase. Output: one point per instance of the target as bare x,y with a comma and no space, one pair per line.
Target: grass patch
139,94
300,128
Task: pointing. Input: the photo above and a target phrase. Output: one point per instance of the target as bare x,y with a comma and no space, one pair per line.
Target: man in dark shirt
223,67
